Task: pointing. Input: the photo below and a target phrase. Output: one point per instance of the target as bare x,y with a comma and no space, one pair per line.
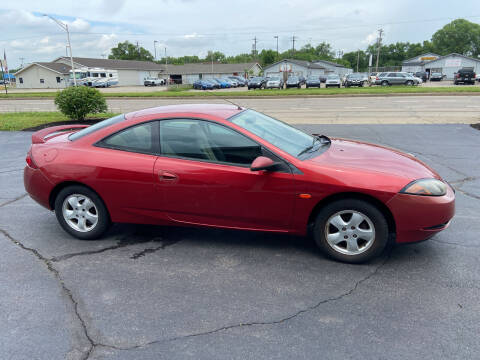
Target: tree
460,36
129,51
350,59
268,57
216,56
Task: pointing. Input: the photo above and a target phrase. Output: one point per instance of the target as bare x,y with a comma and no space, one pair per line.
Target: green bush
79,101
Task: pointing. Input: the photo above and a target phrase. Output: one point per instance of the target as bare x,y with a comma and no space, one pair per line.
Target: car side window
140,138
208,141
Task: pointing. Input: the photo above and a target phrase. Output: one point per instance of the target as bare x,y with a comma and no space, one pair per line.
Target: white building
303,68
189,73
43,75
447,65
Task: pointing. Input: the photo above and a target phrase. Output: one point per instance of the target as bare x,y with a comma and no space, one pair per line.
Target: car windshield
277,133
332,77
96,127
274,79
293,78
312,78
436,74
257,79
354,76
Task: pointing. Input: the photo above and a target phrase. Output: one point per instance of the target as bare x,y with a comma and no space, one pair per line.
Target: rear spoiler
41,136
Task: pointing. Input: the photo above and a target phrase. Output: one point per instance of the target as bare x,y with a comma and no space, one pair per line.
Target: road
335,110
148,292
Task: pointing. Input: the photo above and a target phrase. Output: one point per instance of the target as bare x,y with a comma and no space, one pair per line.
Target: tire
385,83
409,83
339,86
365,226
65,203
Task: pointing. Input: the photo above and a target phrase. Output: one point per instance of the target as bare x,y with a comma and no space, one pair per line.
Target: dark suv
421,75
465,76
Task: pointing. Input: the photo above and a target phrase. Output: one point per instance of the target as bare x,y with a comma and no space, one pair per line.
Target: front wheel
384,83
351,230
409,83
81,212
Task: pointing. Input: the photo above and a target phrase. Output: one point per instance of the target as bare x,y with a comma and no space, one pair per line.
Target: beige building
43,75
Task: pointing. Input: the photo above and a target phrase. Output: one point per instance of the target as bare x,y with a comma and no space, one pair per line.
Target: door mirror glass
262,163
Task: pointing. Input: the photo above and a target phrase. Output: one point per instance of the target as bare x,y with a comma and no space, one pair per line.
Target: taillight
376,78
30,161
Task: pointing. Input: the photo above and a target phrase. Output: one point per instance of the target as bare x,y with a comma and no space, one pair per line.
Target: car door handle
167,176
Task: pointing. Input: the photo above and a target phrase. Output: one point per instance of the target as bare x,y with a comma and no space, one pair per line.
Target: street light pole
276,37
155,48
65,27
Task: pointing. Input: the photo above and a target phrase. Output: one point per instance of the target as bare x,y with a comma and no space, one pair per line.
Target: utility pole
65,27
138,50
255,47
358,58
155,48
293,43
379,45
212,61
276,37
21,59
166,59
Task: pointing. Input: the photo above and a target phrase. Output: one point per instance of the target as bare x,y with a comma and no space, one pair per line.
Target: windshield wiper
321,138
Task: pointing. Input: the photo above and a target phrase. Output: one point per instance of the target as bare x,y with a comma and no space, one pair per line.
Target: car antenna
223,98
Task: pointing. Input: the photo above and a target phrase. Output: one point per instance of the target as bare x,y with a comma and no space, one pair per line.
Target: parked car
274,83
477,77
333,80
396,78
323,78
302,80
436,76
355,79
256,82
203,85
223,84
464,76
254,172
214,83
293,81
233,83
151,81
422,75
312,81
241,81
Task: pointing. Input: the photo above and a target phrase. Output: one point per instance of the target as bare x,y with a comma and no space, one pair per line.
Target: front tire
385,83
351,230
81,212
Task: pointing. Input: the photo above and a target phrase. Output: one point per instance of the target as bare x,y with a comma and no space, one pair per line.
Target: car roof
223,111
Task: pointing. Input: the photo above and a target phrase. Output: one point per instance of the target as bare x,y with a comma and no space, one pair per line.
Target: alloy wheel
80,212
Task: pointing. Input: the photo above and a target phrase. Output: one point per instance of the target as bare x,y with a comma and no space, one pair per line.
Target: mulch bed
66,122
476,126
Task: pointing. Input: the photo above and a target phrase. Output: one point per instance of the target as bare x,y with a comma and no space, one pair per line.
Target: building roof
203,68
307,64
115,64
414,61
330,63
59,68
455,55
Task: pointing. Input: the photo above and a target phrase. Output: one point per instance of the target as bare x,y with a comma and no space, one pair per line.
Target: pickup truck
153,82
465,76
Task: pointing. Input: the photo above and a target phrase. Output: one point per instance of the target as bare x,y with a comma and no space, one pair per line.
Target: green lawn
272,92
20,120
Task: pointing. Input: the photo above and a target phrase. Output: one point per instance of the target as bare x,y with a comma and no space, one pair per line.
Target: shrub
78,101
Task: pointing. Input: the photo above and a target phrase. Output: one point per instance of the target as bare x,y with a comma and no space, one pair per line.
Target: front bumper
418,218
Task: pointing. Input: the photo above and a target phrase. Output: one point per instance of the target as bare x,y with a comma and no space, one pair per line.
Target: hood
371,158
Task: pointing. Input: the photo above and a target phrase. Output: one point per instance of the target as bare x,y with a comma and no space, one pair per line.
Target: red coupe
228,167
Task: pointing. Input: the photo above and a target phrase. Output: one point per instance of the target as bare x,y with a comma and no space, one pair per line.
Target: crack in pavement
67,292
13,200
123,242
454,244
261,323
473,196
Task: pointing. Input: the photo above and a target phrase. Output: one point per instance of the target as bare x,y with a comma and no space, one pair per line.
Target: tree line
459,36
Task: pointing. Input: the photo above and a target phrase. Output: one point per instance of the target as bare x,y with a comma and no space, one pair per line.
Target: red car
228,167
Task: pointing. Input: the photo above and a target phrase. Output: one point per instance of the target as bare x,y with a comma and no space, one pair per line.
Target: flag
5,65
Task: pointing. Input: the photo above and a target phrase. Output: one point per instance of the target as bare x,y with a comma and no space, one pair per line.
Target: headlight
425,187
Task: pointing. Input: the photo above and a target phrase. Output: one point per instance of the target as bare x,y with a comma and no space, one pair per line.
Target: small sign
453,62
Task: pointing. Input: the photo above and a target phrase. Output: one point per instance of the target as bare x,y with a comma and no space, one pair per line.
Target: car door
124,171
204,177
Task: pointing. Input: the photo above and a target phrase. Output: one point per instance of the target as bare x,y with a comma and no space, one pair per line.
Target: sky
193,27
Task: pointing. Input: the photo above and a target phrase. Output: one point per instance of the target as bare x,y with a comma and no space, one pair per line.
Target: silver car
333,80
274,83
396,78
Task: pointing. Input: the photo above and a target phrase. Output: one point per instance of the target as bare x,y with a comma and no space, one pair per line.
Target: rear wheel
81,212
351,230
409,83
384,83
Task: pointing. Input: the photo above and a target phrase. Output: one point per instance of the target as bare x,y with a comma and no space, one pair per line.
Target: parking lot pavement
147,292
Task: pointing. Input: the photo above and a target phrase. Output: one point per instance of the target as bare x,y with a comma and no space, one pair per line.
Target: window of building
95,74
42,81
58,79
21,80
110,75
103,75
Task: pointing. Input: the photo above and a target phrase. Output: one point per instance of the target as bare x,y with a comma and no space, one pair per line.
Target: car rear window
100,125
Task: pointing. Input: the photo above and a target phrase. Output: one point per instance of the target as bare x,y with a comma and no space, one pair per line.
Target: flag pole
4,82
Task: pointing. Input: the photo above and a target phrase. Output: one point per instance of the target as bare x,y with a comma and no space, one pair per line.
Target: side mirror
262,163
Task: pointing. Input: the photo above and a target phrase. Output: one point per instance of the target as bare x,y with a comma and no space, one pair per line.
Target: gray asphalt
148,292
307,110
